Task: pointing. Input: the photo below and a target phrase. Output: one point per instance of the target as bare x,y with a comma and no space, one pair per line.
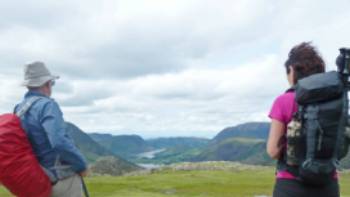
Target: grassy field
170,183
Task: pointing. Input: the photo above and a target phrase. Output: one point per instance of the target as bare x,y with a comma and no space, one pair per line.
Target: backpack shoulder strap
27,105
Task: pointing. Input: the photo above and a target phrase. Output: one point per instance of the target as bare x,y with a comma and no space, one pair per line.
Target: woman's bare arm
274,145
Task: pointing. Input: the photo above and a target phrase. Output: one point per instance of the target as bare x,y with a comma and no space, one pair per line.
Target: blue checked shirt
46,130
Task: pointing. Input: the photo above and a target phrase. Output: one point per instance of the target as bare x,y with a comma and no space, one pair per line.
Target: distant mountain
101,160
95,153
123,145
259,130
245,150
91,149
187,142
131,146
244,143
174,149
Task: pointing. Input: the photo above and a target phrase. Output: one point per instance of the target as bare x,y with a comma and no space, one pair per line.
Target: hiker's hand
84,173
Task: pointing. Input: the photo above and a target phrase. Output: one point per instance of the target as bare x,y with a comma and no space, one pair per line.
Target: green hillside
177,149
101,160
90,149
245,143
190,183
123,145
174,149
171,142
246,150
259,130
171,155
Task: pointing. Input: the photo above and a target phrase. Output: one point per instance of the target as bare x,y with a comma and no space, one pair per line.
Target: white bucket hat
36,74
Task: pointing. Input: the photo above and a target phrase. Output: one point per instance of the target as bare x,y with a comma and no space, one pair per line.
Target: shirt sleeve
276,111
55,127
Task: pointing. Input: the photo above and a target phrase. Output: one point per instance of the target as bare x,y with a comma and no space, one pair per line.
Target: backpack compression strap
341,126
311,133
27,105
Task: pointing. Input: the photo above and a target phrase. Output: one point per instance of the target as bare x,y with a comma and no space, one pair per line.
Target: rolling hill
131,146
98,157
245,150
171,142
245,143
259,130
91,149
123,145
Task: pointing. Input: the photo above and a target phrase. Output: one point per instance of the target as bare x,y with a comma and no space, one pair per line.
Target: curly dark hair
305,60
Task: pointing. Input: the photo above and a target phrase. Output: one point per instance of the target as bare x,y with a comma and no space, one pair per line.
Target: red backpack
20,171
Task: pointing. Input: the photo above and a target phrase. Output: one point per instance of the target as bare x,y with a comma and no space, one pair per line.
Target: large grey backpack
316,137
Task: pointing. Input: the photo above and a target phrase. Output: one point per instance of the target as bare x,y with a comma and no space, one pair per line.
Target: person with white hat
45,128
38,77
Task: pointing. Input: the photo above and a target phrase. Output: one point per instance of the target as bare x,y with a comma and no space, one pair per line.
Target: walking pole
86,192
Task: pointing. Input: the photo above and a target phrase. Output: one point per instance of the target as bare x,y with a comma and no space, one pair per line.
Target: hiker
303,61
45,128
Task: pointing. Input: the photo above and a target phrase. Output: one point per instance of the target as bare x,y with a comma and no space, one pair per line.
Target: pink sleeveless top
282,110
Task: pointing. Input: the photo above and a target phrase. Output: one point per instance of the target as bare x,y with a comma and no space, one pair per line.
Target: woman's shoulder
286,97
283,107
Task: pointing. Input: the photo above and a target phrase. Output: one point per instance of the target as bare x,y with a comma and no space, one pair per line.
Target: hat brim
38,82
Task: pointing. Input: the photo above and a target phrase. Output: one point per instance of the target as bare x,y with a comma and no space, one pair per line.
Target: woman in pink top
303,60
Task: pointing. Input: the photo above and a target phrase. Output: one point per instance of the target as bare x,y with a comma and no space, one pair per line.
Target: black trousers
294,188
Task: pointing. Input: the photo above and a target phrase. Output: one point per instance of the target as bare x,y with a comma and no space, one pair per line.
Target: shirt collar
31,93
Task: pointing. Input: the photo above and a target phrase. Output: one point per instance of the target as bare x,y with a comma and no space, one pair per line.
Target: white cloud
186,102
164,67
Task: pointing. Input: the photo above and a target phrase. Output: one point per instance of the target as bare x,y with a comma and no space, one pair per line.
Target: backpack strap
282,162
311,132
341,127
26,106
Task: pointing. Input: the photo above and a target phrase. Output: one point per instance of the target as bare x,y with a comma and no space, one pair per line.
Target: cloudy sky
163,67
